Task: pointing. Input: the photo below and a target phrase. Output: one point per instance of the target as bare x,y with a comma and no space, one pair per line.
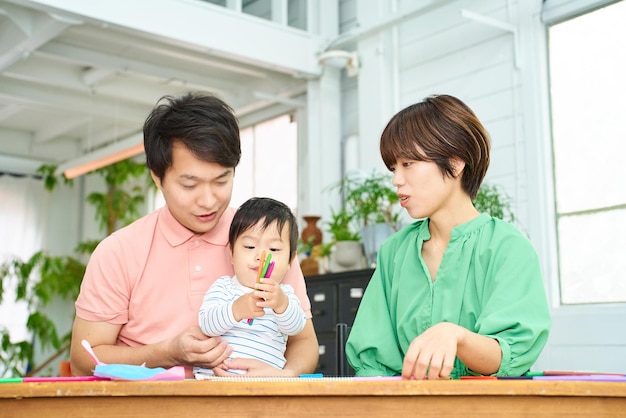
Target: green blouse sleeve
515,310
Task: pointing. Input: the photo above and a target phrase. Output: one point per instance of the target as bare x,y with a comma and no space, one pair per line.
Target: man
144,284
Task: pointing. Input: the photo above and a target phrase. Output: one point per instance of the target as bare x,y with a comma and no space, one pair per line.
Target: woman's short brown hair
438,129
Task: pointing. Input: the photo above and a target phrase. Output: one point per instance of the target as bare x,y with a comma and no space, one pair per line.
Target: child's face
249,246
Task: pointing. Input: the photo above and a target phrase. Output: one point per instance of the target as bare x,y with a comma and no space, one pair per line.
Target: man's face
196,192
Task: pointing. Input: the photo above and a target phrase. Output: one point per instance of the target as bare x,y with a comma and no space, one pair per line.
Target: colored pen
266,266
532,374
32,379
265,270
11,380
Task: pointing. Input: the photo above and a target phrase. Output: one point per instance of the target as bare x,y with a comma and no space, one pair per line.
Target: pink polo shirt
150,277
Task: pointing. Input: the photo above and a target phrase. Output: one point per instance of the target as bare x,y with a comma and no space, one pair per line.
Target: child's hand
270,295
246,307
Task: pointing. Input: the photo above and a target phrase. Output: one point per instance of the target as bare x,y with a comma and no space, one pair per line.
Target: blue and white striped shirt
266,338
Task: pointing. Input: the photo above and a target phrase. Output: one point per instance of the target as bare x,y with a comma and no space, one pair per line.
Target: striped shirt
266,338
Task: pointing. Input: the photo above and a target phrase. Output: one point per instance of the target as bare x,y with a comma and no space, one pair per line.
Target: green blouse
489,282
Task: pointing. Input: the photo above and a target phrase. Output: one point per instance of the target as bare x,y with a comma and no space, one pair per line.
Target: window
23,209
588,98
268,167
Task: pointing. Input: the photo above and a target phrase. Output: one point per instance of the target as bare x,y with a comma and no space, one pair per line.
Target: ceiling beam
93,58
203,26
9,110
59,128
38,29
55,100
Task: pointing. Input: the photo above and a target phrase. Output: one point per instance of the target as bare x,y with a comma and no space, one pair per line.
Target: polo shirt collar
176,234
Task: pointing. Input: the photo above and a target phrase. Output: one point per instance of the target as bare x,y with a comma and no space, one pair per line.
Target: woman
457,292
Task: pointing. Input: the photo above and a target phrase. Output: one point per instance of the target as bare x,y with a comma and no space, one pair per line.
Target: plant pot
372,237
311,230
347,256
310,267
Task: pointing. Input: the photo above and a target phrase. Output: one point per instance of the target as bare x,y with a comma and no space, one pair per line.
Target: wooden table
314,398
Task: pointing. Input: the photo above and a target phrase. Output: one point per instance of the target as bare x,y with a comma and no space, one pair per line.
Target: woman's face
196,192
422,188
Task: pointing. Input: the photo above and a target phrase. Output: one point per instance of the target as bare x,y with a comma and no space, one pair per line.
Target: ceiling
75,79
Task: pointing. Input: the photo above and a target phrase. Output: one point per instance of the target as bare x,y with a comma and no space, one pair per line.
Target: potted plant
44,277
371,202
490,199
347,250
313,257
371,199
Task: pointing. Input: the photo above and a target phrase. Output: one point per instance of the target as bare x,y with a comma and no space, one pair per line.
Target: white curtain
23,209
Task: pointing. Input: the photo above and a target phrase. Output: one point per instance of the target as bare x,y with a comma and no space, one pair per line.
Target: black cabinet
335,298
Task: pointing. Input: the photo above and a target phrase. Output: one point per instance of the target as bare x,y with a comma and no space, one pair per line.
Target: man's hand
252,367
193,348
189,348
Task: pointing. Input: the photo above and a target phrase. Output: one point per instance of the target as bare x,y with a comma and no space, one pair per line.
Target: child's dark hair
438,129
269,210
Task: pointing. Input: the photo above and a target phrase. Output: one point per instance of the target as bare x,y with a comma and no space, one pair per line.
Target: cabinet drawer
350,295
323,307
327,363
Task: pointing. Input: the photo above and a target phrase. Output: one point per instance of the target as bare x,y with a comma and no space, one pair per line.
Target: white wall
503,77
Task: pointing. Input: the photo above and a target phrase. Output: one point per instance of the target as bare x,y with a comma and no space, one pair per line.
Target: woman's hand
433,352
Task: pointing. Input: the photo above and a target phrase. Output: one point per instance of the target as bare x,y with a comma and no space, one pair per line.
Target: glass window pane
588,96
269,163
592,261
588,87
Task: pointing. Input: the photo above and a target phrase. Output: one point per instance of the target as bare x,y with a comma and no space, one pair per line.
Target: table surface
314,397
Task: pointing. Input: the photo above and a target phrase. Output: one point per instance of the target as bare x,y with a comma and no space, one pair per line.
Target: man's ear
156,179
458,165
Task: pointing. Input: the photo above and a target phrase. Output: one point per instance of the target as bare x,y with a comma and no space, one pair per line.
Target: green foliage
43,277
50,179
37,281
305,247
370,199
308,248
13,360
342,226
490,199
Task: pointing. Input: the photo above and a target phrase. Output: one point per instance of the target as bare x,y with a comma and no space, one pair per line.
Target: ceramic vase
311,230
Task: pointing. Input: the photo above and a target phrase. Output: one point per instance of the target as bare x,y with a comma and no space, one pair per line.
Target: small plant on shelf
342,226
370,199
